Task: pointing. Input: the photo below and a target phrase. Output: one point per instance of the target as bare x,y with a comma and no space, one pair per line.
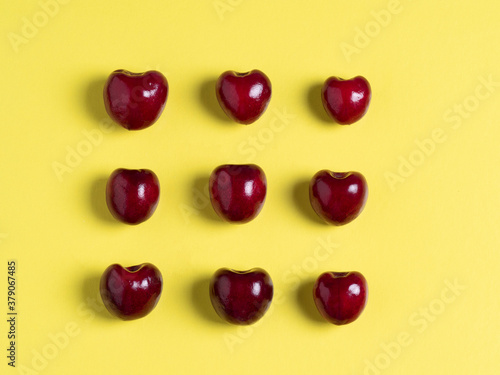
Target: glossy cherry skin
132,195
340,296
241,297
132,292
338,197
346,101
238,191
135,100
243,96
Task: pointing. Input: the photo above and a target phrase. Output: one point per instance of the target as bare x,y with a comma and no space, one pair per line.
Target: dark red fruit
340,296
346,101
132,194
132,292
243,96
241,297
338,198
238,192
135,100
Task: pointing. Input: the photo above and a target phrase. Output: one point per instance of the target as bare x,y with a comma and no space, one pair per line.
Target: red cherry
238,192
340,296
346,101
132,292
132,194
241,297
243,96
338,198
135,100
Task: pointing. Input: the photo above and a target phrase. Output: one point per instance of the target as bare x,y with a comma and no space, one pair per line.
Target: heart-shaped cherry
338,197
238,191
241,297
346,101
132,292
340,296
135,100
132,194
243,96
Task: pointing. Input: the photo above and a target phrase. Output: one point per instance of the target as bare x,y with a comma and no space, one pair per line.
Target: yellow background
436,225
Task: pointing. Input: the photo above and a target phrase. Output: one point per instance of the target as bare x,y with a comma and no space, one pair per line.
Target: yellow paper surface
427,241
